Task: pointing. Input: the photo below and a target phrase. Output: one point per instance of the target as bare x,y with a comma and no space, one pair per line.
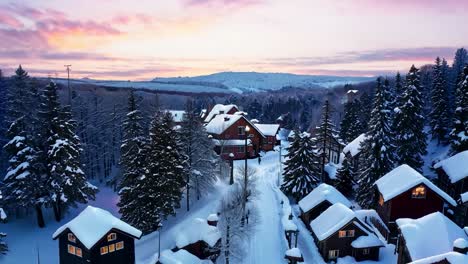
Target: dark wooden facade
343,244
202,250
269,143
453,189
125,255
405,206
310,215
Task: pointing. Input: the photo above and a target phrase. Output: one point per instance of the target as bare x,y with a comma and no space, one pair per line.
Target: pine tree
199,149
459,62
410,138
459,133
301,172
351,125
377,150
66,183
325,134
254,109
439,115
366,109
3,216
3,122
132,158
345,179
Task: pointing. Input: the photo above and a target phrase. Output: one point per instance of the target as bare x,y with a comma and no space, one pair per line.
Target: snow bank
366,242
451,257
198,230
180,257
323,192
456,167
430,235
330,169
354,147
268,129
403,178
94,223
330,221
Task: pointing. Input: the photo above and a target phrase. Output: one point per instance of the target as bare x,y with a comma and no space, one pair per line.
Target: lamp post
246,132
231,163
160,225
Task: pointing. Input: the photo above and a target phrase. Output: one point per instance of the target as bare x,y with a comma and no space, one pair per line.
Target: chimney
213,219
460,245
226,118
221,112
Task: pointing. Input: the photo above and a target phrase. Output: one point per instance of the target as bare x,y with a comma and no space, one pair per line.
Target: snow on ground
435,153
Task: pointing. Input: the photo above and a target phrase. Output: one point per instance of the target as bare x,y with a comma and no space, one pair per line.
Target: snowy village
188,132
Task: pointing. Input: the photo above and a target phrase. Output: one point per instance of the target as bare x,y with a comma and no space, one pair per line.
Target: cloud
221,3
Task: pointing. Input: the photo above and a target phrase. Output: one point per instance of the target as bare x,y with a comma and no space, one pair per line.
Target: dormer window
71,237
111,237
241,130
419,192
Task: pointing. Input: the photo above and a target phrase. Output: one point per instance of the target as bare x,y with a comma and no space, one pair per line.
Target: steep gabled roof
323,192
93,224
268,129
354,147
456,167
403,178
222,122
430,235
198,230
218,109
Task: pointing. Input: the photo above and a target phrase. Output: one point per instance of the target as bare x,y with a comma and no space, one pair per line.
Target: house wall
453,189
403,255
360,256
123,256
310,215
269,143
226,150
67,258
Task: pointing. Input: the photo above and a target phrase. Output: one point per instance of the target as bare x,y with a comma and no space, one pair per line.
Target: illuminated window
381,200
79,253
365,251
104,250
419,192
71,249
71,237
111,248
350,233
120,245
333,254
342,233
111,237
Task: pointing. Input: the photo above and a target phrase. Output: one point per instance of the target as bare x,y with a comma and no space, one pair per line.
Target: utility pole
69,90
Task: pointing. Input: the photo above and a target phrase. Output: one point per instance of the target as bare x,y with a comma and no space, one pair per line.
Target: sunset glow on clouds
140,40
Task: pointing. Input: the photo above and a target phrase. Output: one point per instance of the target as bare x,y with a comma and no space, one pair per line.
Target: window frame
71,237
350,233
111,237
241,130
333,253
119,245
77,249
415,195
71,249
111,248
342,233
104,250
366,251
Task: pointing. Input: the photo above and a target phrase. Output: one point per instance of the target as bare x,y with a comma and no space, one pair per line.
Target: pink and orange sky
137,40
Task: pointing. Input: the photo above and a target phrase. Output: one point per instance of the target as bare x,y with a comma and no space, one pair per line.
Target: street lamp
246,130
160,225
231,163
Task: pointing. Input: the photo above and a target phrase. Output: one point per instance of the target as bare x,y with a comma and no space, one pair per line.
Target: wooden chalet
95,236
352,151
200,239
431,239
405,193
339,232
270,131
319,200
219,109
230,134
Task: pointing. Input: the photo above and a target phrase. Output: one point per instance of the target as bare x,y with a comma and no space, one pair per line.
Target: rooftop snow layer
323,192
198,230
403,178
220,123
451,257
177,115
366,242
456,167
219,109
180,257
293,252
268,129
330,221
354,147
429,235
464,197
94,223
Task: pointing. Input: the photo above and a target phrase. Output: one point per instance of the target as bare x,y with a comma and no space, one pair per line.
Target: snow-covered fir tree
301,172
254,109
325,135
410,139
3,216
132,159
439,116
459,133
202,161
66,182
345,179
351,125
366,109
459,61
377,149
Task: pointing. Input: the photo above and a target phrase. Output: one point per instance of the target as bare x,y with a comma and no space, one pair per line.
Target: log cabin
230,133
200,239
352,151
270,131
319,200
95,236
431,239
339,232
219,109
405,193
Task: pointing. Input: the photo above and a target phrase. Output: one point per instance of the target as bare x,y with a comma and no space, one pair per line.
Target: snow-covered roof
331,220
464,197
180,257
367,241
198,230
354,147
218,109
213,217
451,257
323,192
232,142
177,115
93,223
403,178
293,252
367,215
429,235
268,129
220,123
456,167
331,169
352,91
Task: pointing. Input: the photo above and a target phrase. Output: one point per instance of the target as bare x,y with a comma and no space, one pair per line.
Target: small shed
453,174
270,131
96,236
